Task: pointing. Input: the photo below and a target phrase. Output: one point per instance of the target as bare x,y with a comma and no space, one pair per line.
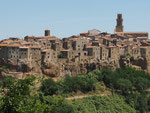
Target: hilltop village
52,56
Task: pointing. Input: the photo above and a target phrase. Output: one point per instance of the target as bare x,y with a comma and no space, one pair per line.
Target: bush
7,82
124,85
81,82
16,96
142,83
109,77
132,59
105,104
58,105
138,101
97,74
60,55
48,87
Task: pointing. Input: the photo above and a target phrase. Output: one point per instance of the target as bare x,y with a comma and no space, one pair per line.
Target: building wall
35,54
136,52
79,44
24,53
103,53
13,52
50,56
3,52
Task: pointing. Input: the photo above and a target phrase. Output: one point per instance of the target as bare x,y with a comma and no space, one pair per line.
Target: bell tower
119,26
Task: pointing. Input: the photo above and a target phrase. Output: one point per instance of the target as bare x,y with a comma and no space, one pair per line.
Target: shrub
142,83
60,55
132,59
105,104
124,85
7,82
97,74
48,87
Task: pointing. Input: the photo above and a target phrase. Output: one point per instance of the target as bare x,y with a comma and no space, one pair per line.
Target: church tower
119,26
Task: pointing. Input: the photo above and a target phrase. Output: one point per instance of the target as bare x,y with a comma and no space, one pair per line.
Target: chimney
47,32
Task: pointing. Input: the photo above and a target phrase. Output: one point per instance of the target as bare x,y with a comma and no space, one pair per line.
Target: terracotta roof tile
34,47
14,45
3,45
131,32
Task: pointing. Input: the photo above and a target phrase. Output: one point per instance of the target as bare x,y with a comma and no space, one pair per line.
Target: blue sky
64,18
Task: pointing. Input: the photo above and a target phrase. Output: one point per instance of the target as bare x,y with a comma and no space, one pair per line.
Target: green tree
124,85
17,94
7,82
48,87
138,101
105,104
142,83
97,74
109,77
87,82
58,105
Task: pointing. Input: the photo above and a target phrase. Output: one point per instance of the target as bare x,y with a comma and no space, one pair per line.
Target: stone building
77,54
24,53
35,53
79,43
3,51
49,56
93,51
144,52
103,53
13,51
136,52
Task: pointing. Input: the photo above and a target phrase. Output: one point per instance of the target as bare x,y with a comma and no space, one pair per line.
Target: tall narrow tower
47,32
119,26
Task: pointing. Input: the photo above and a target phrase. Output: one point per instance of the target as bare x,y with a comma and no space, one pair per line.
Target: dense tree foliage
138,79
17,94
49,87
6,82
124,85
19,100
98,104
70,84
130,89
131,83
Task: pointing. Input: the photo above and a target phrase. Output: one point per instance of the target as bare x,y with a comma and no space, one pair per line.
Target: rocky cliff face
50,69
138,63
22,68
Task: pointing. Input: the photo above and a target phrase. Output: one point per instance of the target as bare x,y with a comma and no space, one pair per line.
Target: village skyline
66,18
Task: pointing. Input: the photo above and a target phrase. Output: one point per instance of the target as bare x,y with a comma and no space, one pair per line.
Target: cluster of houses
92,46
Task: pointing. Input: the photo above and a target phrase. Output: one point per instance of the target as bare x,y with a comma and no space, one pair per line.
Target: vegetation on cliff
129,87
